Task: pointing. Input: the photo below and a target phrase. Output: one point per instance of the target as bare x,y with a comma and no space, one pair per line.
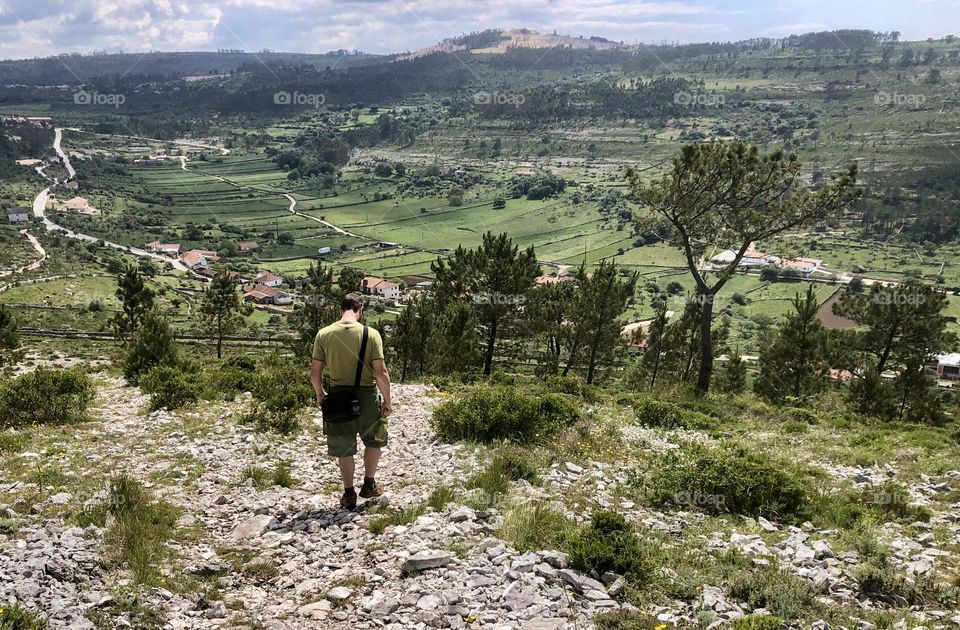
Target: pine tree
222,309
733,376
320,308
495,277
794,363
903,329
602,297
455,342
152,344
547,315
727,193
136,299
10,351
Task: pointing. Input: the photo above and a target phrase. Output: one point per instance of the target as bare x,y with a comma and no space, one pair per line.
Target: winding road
40,207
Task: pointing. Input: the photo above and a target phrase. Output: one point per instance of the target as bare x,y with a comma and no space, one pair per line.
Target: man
337,347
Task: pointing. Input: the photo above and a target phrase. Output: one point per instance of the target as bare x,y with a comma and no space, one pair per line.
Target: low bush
727,478
508,465
666,415
537,526
171,387
263,478
609,543
627,620
16,617
45,397
758,622
232,378
487,414
782,593
281,384
799,414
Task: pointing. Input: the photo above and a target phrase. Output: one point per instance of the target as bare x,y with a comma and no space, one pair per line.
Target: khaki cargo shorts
370,426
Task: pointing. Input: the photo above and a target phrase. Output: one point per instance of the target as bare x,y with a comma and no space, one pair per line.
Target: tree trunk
593,361
219,341
706,343
491,340
656,359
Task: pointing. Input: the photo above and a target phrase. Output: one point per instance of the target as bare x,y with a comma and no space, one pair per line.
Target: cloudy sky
33,28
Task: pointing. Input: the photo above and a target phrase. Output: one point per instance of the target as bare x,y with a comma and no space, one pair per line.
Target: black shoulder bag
343,405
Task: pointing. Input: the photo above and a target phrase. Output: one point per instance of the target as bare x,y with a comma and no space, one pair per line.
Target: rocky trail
445,569
287,558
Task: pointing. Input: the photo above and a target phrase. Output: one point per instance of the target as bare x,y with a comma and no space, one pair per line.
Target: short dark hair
351,302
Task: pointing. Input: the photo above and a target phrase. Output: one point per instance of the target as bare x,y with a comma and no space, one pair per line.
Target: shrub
45,397
799,414
666,415
152,344
487,414
728,478
171,387
758,622
281,384
609,543
232,378
507,466
532,527
16,617
627,620
781,592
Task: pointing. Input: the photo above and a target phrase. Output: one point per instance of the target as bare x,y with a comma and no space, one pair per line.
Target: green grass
137,539
264,478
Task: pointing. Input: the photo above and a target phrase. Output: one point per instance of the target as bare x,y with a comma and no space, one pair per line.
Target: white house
268,279
383,288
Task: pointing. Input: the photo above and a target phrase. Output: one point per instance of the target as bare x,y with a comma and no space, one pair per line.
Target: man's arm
316,377
382,376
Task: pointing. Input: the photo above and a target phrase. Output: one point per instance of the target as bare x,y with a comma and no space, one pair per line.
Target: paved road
40,208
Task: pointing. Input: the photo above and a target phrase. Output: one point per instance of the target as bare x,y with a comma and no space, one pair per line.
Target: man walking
353,355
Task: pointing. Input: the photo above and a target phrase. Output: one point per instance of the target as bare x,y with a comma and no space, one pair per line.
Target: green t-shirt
338,345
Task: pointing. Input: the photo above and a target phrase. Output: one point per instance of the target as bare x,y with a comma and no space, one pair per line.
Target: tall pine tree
794,364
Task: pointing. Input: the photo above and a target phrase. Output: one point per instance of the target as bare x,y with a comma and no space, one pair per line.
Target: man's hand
320,397
386,409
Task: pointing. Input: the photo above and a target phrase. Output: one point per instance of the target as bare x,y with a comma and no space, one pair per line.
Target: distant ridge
496,41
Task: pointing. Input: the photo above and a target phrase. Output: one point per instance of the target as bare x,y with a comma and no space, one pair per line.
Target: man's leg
347,469
371,457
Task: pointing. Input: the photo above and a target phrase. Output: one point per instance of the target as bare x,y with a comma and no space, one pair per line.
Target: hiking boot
349,501
368,492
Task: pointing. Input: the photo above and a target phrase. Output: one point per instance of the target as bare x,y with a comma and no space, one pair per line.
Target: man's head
352,303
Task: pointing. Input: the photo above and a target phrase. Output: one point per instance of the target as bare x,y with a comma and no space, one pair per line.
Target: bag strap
363,351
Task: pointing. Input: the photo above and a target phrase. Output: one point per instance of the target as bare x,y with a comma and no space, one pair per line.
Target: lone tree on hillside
222,309
136,300
728,194
496,276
